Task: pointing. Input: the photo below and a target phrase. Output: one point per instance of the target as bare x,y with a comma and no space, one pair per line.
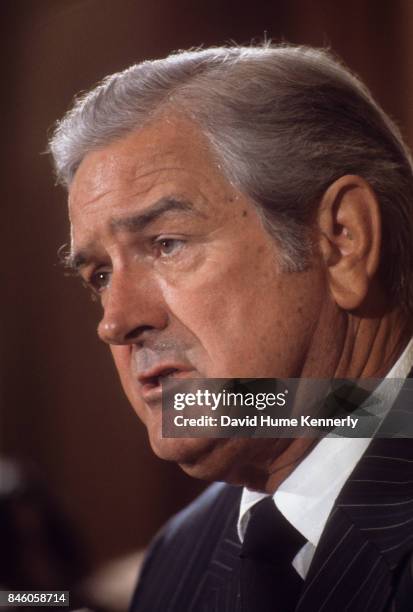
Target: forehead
170,152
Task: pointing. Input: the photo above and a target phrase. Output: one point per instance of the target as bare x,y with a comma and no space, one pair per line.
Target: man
248,213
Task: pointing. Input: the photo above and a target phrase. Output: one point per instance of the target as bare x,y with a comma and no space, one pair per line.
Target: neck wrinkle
372,346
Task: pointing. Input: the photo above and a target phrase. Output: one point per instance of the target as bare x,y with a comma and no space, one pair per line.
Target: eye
168,246
99,280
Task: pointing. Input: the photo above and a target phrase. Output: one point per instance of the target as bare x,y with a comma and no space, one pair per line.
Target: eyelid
160,237
157,241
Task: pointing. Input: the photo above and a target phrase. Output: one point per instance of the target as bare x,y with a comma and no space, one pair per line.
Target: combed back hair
283,121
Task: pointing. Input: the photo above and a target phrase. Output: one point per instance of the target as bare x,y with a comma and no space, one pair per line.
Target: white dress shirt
307,496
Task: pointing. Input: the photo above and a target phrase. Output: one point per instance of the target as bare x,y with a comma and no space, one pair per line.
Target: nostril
137,332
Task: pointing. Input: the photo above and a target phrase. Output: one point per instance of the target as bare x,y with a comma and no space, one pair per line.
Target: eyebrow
134,223
140,221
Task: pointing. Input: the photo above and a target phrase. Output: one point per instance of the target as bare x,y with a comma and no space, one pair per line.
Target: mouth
151,381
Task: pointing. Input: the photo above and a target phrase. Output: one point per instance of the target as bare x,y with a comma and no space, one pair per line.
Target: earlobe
349,224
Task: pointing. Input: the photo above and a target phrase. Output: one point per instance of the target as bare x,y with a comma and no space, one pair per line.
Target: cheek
251,322
229,306
207,302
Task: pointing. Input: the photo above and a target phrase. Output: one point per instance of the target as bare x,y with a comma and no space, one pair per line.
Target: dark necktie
267,579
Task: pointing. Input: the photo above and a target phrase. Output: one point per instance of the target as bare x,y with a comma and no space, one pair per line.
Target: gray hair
284,123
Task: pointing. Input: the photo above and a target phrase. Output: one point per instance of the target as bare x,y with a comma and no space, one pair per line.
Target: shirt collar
307,496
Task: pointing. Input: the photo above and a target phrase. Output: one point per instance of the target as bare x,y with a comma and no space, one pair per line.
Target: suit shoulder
217,500
182,549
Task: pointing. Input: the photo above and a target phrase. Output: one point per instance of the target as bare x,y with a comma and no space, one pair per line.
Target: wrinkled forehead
169,144
163,167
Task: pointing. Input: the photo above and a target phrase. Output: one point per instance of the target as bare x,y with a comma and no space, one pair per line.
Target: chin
211,459
180,450
197,457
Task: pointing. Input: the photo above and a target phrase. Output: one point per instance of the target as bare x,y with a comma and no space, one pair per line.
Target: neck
369,349
373,345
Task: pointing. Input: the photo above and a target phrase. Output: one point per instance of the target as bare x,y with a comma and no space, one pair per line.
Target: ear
349,221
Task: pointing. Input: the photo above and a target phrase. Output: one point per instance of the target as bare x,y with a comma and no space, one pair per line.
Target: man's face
190,282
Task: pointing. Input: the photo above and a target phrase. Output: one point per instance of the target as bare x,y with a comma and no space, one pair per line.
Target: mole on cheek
244,213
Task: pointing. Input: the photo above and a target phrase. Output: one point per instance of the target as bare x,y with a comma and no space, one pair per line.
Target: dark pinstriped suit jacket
362,563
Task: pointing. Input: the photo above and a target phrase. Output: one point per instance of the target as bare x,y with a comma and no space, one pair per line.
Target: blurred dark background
62,410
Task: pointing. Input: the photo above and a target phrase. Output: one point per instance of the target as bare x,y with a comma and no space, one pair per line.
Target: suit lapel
370,527
368,533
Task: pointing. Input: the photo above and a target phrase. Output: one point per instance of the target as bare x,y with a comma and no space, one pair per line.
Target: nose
131,307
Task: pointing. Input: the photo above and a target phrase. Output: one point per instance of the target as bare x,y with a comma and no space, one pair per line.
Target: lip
151,389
